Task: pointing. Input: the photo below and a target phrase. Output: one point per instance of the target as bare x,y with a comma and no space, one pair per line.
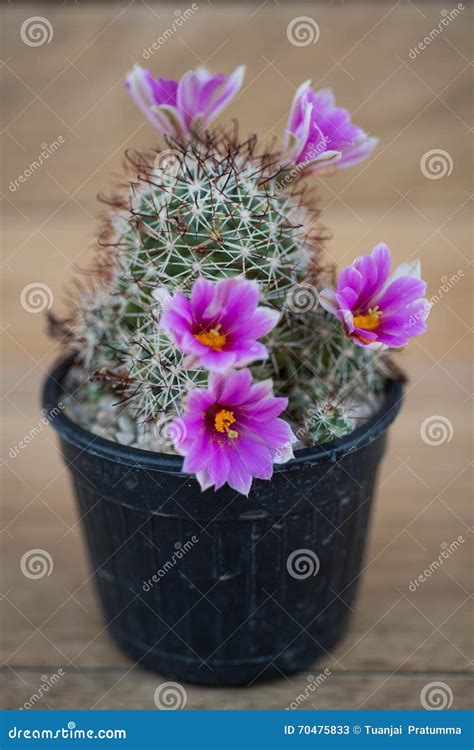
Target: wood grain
119,688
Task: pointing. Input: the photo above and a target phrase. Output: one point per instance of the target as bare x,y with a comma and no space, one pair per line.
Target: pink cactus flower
219,325
178,108
231,433
378,310
320,135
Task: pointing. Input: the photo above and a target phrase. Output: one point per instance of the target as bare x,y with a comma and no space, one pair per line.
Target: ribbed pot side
215,588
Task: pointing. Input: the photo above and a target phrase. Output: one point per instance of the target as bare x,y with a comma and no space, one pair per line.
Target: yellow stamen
223,420
370,321
213,339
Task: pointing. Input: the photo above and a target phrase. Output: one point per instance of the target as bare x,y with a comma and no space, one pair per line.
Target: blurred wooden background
71,88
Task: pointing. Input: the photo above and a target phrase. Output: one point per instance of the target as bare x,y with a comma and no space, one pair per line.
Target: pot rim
73,433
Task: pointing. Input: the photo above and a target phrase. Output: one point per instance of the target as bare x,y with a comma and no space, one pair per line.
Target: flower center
370,321
223,419
213,338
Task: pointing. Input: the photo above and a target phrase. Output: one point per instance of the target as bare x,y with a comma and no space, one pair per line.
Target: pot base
226,673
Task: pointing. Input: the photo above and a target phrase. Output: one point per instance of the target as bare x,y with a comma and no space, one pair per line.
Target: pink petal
297,108
347,298
218,466
374,269
375,346
198,400
232,389
237,298
348,320
137,85
328,300
255,456
180,305
369,336
171,121
164,89
217,361
401,292
275,433
184,430
351,277
301,135
325,99
239,478
261,322
259,391
229,90
190,345
410,268
285,452
186,96
320,163
204,479
199,453
247,352
297,129
197,97
266,409
202,295
352,155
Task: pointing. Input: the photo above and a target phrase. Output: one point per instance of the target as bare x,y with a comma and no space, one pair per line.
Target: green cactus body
215,209
212,209
327,378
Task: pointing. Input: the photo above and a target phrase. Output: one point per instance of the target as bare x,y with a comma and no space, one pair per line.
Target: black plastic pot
213,587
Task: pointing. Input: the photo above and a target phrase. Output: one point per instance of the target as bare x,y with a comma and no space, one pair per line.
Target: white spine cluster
207,212
214,209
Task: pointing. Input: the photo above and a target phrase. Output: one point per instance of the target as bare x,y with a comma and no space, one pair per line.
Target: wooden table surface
400,640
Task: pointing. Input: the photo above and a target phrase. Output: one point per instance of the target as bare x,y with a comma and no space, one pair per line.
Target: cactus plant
205,209
207,206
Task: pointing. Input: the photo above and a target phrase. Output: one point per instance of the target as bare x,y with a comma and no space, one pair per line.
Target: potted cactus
227,395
